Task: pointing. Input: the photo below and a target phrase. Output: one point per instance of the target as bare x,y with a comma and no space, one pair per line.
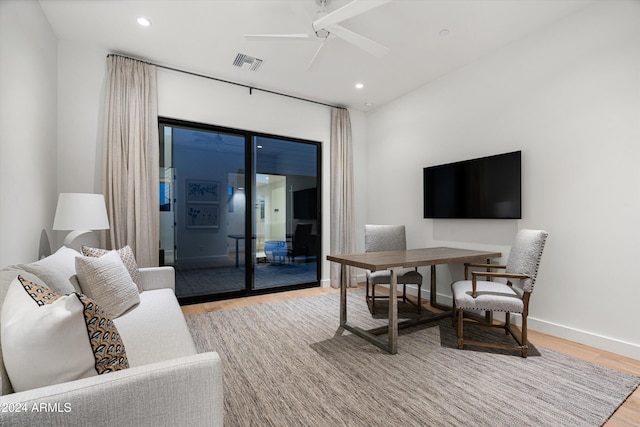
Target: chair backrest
379,238
302,232
302,236
525,256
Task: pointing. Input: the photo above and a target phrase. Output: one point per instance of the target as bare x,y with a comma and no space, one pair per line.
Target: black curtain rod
251,88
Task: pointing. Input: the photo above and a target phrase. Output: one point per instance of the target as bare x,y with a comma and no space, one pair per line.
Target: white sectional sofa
166,384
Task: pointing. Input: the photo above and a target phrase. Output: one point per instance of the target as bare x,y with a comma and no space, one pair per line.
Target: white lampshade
81,211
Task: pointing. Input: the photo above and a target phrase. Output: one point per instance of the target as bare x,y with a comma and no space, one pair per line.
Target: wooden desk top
376,261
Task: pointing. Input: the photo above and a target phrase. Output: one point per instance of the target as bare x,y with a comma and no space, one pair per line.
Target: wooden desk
393,261
237,237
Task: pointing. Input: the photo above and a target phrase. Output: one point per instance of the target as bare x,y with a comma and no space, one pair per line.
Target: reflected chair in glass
277,249
511,297
301,246
378,238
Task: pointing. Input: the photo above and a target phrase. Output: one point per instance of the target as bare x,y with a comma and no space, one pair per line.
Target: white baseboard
587,338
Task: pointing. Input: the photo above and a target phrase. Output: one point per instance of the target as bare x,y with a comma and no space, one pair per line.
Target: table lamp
81,213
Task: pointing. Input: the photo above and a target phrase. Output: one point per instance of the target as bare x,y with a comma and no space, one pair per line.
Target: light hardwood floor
627,415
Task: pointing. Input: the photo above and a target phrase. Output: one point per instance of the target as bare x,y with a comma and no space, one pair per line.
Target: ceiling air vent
252,63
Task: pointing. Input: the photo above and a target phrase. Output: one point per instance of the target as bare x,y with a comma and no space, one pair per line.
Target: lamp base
78,238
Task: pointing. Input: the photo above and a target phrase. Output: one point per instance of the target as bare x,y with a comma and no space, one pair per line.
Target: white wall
81,85
569,98
180,96
28,83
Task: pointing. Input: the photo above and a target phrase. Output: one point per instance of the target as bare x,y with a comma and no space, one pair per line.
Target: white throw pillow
126,255
107,281
50,339
56,270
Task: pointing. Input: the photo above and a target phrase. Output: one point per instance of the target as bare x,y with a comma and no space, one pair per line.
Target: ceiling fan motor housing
321,32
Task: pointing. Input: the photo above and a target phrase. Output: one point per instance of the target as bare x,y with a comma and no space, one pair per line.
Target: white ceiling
204,37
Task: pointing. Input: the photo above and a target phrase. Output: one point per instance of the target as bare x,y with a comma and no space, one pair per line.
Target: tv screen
488,187
305,204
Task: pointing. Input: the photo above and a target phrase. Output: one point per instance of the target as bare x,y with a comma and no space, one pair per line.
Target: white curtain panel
130,165
342,239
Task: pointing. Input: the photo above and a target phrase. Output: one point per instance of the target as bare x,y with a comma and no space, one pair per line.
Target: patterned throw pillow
128,259
107,346
49,338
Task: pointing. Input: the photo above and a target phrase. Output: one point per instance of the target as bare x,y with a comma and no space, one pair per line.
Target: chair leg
460,332
525,345
369,296
419,299
373,298
454,313
507,322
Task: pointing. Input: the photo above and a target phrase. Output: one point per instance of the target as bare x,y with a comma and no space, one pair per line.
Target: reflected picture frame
200,191
202,215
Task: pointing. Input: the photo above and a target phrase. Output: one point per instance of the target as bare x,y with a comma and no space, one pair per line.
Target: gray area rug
288,364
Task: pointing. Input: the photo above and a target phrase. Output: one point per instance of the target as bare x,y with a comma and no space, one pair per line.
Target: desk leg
432,295
343,294
393,312
237,249
434,292
391,344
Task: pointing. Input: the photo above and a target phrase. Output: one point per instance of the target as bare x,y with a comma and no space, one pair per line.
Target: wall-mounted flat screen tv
488,187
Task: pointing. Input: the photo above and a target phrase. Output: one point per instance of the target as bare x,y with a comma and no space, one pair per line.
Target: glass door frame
249,179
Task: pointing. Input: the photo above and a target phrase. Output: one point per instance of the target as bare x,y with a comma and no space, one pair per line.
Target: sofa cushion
48,338
56,270
155,330
107,281
126,255
7,276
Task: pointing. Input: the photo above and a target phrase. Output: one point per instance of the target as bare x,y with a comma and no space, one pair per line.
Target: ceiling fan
326,25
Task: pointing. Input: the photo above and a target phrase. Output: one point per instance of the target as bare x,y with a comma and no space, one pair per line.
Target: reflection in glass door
286,225
207,203
203,233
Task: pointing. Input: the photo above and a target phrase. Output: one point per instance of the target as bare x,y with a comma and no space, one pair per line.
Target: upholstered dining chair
378,238
511,297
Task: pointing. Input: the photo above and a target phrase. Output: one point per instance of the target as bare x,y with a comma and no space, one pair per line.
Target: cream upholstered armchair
378,238
510,297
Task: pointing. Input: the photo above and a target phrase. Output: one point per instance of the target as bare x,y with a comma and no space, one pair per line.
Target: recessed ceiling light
144,22
359,85
368,104
444,32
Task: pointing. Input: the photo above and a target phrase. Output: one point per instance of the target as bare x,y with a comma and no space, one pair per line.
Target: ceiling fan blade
368,45
300,12
356,7
299,36
315,55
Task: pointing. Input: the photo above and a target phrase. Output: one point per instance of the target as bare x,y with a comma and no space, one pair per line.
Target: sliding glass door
239,212
286,215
